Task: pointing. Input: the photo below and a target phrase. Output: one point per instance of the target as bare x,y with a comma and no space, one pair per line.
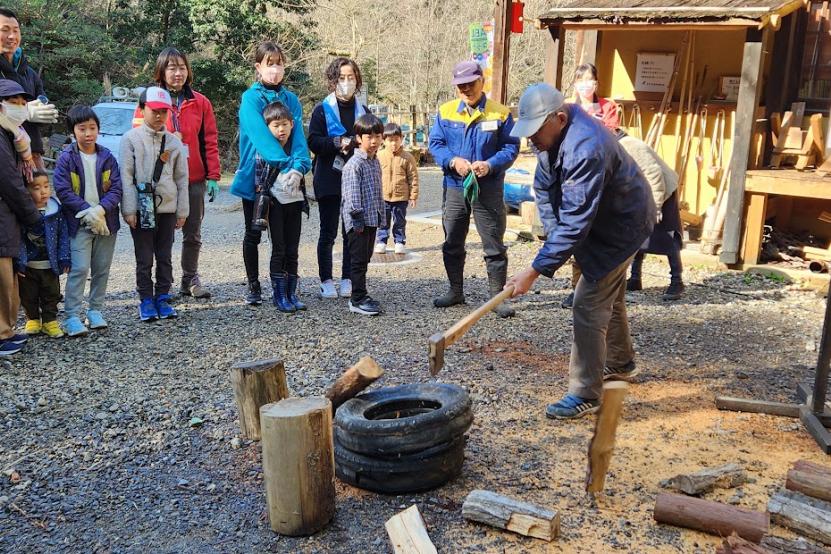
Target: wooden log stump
803,514
256,384
602,443
810,479
354,380
726,476
298,464
408,533
506,513
710,517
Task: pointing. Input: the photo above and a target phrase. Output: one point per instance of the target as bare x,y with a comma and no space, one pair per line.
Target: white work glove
659,217
100,228
293,179
286,183
42,113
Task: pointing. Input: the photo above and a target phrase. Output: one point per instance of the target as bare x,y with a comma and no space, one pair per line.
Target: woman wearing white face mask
585,95
330,138
255,140
13,112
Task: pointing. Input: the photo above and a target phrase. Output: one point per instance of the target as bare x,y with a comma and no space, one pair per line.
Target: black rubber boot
292,293
254,296
495,285
452,297
634,284
279,292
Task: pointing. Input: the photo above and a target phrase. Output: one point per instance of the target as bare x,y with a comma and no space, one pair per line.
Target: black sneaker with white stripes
572,407
625,373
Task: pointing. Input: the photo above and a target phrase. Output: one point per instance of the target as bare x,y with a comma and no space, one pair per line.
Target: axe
441,340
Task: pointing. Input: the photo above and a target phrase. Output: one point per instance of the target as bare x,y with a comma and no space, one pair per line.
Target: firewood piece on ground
256,384
602,443
805,515
710,517
810,479
778,545
512,515
408,533
734,544
354,380
726,477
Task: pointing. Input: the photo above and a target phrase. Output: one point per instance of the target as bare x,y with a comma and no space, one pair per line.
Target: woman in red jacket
585,95
192,120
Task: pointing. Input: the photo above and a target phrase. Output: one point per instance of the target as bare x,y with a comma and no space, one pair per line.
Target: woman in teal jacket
255,140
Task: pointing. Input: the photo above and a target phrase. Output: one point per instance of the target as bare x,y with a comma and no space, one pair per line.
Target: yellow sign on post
480,38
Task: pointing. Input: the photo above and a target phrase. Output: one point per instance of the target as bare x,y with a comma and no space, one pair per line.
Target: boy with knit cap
154,176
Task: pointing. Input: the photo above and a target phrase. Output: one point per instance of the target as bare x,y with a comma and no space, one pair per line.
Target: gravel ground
127,440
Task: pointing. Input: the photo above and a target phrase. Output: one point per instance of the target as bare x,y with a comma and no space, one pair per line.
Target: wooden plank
788,182
555,57
756,406
588,54
710,517
754,224
512,515
603,441
408,533
749,91
807,516
501,50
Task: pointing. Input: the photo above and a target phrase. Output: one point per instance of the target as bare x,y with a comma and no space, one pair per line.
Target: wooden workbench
760,184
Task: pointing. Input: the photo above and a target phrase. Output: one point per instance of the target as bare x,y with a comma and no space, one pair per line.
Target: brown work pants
601,331
9,298
192,235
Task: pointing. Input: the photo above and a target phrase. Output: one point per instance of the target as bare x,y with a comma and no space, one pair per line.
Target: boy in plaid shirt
362,208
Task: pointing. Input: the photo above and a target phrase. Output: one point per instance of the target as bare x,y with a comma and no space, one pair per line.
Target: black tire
404,419
408,473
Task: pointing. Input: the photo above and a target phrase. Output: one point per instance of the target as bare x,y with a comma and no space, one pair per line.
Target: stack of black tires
409,438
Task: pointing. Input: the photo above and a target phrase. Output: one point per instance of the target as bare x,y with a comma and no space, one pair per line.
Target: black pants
489,215
329,207
284,223
676,266
360,249
40,291
154,243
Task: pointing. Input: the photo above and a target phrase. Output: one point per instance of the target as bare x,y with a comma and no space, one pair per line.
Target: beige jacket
399,175
139,150
662,179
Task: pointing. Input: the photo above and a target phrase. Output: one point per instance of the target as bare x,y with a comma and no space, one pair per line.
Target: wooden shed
729,65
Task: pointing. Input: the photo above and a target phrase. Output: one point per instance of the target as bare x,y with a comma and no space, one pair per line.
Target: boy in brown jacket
399,176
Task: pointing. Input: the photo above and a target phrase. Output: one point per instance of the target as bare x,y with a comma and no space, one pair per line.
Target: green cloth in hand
471,187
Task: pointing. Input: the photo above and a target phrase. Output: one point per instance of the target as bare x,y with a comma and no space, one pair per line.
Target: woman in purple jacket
88,183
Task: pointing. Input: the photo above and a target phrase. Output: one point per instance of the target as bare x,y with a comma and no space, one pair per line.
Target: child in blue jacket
44,256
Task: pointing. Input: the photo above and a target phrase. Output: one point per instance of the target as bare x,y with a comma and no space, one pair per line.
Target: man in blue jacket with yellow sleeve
596,204
472,144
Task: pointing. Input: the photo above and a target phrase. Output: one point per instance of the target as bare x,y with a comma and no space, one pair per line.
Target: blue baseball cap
9,88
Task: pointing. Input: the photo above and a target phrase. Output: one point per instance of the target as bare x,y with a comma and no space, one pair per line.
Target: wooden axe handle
440,341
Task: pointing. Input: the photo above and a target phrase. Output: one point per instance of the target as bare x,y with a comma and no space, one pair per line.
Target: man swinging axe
594,203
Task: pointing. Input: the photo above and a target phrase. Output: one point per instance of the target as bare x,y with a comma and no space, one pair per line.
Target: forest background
405,49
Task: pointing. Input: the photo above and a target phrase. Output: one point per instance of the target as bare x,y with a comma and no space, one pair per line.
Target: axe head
436,356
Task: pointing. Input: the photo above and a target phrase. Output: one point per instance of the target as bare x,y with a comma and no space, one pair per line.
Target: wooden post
298,464
408,533
748,100
257,383
354,380
501,50
588,52
710,517
602,443
554,57
512,515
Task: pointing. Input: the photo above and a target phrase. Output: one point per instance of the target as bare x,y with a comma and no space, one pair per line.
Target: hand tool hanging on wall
656,127
635,122
716,168
702,132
